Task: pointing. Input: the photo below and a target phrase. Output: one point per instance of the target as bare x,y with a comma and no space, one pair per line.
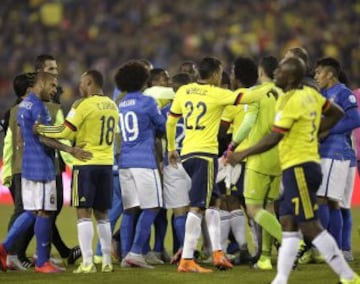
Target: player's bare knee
288,224
311,229
133,210
84,213
252,209
180,211
333,204
100,214
321,200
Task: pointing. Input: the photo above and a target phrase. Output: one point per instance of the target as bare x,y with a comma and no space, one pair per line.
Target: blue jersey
38,160
180,132
337,144
140,120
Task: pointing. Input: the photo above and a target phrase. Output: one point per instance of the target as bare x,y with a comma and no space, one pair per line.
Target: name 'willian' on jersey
140,120
180,132
38,160
337,146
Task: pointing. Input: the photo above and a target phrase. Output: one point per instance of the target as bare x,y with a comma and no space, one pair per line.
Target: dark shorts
301,183
92,187
236,190
202,169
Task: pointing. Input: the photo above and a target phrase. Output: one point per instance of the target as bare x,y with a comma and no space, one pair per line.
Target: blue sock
21,224
42,231
160,224
176,243
335,226
127,232
142,232
179,224
324,215
146,247
347,229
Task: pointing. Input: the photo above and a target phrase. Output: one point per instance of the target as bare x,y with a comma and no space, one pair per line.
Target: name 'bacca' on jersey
196,91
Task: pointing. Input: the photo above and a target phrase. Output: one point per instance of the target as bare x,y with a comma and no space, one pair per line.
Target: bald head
290,73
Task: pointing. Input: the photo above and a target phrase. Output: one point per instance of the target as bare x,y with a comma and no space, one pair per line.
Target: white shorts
177,185
335,173
140,187
37,195
349,187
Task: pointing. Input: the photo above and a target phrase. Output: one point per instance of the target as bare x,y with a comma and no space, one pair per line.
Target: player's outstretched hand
81,154
236,157
173,158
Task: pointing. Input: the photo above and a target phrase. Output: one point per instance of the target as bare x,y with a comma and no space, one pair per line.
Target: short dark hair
40,61
269,64
181,79
43,76
22,82
155,74
225,78
208,66
301,53
331,63
97,77
245,71
131,76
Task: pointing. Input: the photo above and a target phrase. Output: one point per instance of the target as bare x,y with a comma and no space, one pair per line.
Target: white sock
104,233
328,248
206,243
192,234
212,218
237,223
86,235
286,257
225,228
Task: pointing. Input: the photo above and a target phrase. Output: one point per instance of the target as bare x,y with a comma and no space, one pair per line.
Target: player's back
201,106
140,119
96,122
302,108
268,161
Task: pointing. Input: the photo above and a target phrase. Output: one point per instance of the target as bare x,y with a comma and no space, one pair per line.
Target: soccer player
190,68
175,180
201,105
92,123
296,127
262,175
337,155
244,77
11,173
37,173
141,192
47,63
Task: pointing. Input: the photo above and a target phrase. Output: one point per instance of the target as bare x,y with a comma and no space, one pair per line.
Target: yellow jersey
201,106
298,115
94,120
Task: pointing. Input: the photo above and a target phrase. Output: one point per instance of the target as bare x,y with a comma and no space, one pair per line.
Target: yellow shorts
260,187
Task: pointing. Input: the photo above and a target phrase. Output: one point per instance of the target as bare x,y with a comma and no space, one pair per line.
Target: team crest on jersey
278,116
71,113
352,99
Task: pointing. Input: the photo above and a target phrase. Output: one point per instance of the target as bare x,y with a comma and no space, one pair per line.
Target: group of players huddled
267,147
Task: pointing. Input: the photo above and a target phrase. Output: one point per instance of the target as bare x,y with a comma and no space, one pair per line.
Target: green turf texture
312,273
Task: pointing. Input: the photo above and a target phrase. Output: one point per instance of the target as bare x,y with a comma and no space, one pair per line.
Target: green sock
266,244
269,222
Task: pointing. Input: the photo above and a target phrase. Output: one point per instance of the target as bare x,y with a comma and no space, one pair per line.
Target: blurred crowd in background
102,34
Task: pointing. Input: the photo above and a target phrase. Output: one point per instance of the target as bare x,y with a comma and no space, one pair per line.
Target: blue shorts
92,187
301,183
201,168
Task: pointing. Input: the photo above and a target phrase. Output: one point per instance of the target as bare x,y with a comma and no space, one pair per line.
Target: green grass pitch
314,273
